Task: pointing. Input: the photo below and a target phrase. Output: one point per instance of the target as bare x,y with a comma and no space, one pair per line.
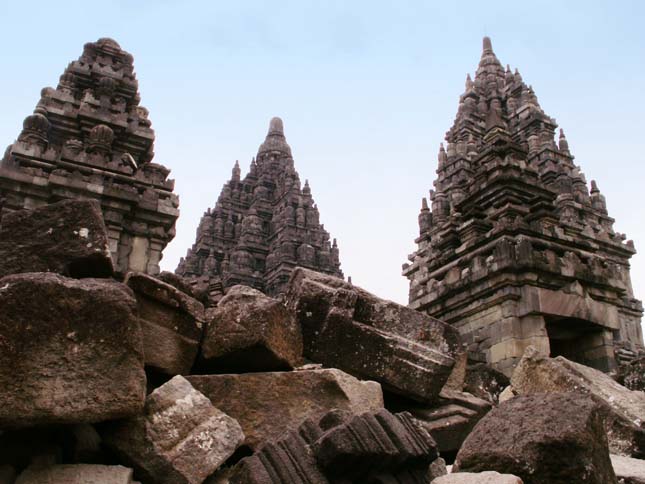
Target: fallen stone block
67,237
348,328
249,331
623,409
628,470
268,404
449,420
180,439
555,438
172,324
372,447
485,382
70,351
77,474
487,477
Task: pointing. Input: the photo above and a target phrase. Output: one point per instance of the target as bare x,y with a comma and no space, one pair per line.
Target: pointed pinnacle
594,187
487,45
424,205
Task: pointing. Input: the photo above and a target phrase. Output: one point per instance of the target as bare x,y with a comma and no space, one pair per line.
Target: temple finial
424,204
276,126
594,187
563,144
487,45
236,171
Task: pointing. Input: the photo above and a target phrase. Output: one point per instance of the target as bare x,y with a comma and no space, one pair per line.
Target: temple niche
90,138
515,248
261,228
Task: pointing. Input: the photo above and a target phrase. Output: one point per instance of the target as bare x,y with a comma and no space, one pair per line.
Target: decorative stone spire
511,227
90,138
272,226
236,172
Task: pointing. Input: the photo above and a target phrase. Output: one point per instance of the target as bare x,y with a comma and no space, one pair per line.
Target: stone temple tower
90,138
515,249
262,226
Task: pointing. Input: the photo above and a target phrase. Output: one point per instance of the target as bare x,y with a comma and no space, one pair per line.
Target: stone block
249,331
268,404
372,447
171,321
67,237
487,477
180,439
555,438
485,382
348,328
70,352
449,420
623,409
628,470
77,474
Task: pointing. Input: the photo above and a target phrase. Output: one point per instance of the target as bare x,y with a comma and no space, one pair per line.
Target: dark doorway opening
577,340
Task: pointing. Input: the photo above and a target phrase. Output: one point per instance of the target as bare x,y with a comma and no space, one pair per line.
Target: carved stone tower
262,226
515,250
90,138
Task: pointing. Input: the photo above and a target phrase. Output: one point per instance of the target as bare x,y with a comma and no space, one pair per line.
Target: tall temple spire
512,228
262,226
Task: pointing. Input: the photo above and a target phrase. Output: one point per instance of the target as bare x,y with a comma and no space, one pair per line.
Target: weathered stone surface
623,409
181,438
487,477
70,351
261,227
508,203
172,324
268,404
372,447
506,394
485,382
632,374
348,328
557,438
249,331
77,474
449,420
89,138
628,470
68,237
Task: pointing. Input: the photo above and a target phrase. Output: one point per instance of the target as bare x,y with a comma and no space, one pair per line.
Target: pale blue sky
367,90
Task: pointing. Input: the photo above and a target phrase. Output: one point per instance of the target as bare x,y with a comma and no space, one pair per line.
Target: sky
366,89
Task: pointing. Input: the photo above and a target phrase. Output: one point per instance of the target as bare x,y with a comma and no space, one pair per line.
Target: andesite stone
486,477
557,438
171,321
628,470
348,328
372,447
181,438
268,404
77,474
249,331
67,237
623,410
70,352
485,382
